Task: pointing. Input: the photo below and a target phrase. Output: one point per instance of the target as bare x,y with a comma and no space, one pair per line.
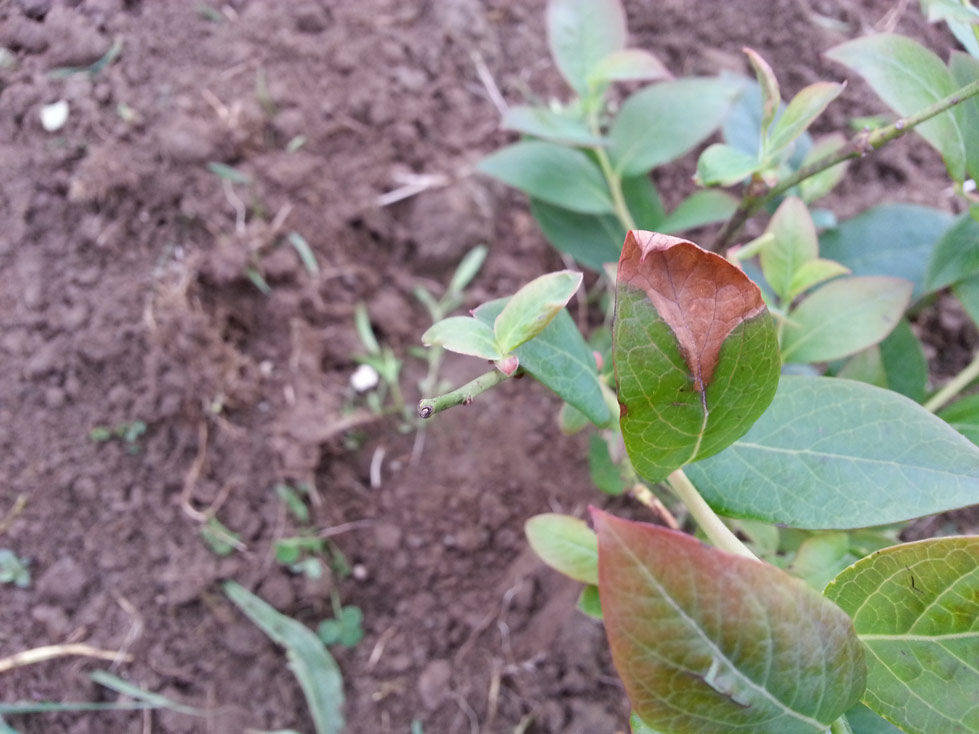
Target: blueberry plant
771,391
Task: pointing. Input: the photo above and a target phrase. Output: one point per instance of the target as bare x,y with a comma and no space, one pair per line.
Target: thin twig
19,504
460,396
489,83
954,386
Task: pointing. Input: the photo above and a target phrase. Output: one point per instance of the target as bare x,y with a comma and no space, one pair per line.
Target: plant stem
859,145
715,529
614,180
956,385
460,396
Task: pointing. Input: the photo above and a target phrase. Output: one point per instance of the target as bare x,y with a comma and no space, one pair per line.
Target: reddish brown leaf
699,294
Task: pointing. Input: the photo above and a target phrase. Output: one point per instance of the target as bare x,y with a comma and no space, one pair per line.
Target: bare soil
122,261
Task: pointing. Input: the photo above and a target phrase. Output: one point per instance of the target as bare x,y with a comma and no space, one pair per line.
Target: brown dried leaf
700,295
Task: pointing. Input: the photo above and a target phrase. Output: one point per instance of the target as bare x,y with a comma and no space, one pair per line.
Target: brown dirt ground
121,258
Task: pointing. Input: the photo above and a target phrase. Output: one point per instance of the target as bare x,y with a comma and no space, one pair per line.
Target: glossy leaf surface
630,64
812,273
542,122
799,114
581,33
964,69
463,335
904,362
559,359
843,317
724,165
532,308
553,173
891,239
963,416
815,187
915,608
566,544
665,120
909,78
832,453
706,641
694,350
592,240
771,95
699,209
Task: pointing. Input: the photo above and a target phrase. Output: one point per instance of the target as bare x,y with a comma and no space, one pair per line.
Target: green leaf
865,366
722,165
843,317
463,335
467,269
226,172
794,245
699,209
566,544
909,77
305,252
560,359
964,69
804,107
694,349
812,273
589,602
542,122
630,64
963,416
644,204
638,726
592,240
771,95
836,454
706,641
314,667
553,173
581,33
891,239
915,608
532,308
956,254
605,473
967,291
816,187
571,420
864,721
904,362
666,120
821,557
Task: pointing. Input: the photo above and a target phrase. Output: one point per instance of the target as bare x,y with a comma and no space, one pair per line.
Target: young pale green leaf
707,641
638,726
967,291
542,122
915,608
804,107
533,307
630,64
837,454
463,335
816,187
666,120
909,77
963,416
865,366
642,200
592,240
553,173
699,209
570,420
891,239
722,165
821,557
956,254
812,273
566,544
311,663
904,362
559,359
694,349
467,269
843,317
794,244
964,69
581,33
771,95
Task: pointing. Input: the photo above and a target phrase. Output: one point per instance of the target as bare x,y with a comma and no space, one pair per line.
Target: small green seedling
221,540
775,395
13,569
345,629
129,432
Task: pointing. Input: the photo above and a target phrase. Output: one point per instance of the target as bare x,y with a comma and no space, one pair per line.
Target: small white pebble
969,185
364,378
359,572
54,115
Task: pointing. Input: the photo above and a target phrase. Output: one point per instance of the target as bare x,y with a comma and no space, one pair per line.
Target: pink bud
599,360
508,365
